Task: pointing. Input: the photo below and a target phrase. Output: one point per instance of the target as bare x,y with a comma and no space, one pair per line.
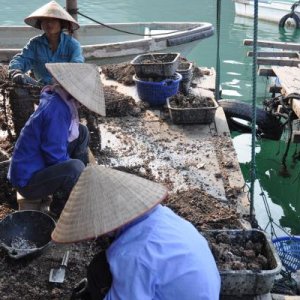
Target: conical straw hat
82,81
50,10
103,200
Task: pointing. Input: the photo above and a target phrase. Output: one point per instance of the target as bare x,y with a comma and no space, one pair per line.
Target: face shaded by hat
82,81
104,200
51,10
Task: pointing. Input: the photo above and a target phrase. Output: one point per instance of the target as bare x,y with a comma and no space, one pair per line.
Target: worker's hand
19,78
13,72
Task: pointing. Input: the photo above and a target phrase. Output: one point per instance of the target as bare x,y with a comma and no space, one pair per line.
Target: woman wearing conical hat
51,46
52,149
154,254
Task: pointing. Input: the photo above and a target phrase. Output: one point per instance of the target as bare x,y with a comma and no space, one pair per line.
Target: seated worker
155,253
50,47
52,149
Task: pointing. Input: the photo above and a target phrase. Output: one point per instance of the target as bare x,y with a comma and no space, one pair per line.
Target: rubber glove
30,80
19,78
13,72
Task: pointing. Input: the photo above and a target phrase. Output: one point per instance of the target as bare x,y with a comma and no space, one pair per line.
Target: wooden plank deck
274,45
288,55
289,78
278,61
284,64
291,54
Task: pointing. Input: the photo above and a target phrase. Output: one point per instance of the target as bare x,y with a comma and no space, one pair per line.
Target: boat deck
181,156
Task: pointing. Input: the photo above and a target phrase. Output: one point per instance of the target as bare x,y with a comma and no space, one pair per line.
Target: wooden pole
291,54
277,45
71,7
278,62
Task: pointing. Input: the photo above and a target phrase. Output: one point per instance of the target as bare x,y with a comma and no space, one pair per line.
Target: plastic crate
186,70
247,282
156,93
288,249
155,64
199,115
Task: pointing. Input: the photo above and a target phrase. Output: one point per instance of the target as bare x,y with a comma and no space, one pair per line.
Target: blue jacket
37,53
162,257
43,141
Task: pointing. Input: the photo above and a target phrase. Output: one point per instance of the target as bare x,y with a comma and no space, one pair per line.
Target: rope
217,83
294,6
125,31
254,63
271,221
290,127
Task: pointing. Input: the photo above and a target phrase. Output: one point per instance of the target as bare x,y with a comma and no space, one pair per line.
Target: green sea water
282,194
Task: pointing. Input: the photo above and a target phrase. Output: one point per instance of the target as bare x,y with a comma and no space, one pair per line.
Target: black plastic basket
186,70
155,64
192,115
288,249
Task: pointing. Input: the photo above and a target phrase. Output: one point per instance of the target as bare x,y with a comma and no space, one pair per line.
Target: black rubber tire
291,15
268,126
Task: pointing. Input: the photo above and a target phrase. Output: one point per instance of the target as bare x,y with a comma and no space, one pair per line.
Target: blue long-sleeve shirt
162,257
43,141
37,53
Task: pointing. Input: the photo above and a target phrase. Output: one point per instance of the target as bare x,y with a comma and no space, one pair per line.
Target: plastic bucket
156,93
25,232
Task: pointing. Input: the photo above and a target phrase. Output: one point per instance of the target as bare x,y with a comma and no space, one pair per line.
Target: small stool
42,204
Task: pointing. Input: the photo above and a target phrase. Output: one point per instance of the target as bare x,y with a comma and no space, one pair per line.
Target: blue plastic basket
156,93
288,249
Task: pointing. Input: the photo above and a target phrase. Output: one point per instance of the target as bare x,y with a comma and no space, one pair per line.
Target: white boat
268,10
103,45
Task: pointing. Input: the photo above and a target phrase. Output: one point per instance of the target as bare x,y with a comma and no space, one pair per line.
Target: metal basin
25,232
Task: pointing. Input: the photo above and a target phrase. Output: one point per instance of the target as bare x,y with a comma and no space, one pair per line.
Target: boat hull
270,11
103,45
